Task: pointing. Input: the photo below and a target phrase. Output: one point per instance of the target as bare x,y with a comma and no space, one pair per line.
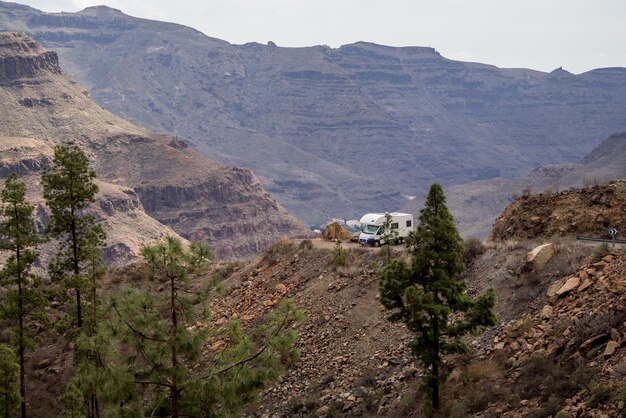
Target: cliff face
152,177
333,131
31,61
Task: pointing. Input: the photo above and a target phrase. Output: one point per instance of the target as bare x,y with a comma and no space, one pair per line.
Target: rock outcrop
589,211
31,60
197,198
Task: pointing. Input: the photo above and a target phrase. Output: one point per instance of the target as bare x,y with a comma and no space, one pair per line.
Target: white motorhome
372,229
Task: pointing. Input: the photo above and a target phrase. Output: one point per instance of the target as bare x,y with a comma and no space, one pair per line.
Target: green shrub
339,255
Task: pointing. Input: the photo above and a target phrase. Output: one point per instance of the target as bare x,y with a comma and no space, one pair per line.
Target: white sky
577,35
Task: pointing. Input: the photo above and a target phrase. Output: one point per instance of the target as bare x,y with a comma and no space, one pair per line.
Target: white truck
372,229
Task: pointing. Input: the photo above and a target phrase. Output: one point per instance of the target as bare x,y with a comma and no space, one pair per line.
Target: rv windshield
370,229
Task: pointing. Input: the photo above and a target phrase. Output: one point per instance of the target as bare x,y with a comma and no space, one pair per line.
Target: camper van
372,229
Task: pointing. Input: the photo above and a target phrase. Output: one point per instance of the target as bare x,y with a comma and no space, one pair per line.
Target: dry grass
277,249
350,271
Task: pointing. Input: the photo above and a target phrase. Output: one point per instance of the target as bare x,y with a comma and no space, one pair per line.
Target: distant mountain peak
102,11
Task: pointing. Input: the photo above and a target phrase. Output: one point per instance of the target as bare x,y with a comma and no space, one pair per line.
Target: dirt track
329,245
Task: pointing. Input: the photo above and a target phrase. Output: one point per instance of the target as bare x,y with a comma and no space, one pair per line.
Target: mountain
476,205
332,131
141,171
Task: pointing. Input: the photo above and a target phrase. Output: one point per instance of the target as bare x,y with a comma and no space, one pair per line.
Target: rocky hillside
332,132
566,359
589,211
197,198
562,323
559,342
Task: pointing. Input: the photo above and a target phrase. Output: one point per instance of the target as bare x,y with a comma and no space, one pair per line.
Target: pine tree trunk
174,392
79,316
20,335
435,377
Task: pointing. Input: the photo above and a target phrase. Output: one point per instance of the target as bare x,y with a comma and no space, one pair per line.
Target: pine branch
250,358
135,330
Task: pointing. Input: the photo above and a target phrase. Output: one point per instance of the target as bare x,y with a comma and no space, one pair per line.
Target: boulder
610,349
554,287
569,285
539,256
334,231
547,312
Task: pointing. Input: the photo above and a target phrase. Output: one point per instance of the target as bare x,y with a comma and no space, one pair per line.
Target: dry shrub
226,269
278,248
600,394
350,271
521,326
472,249
541,376
481,383
305,244
550,408
599,252
594,324
510,245
367,378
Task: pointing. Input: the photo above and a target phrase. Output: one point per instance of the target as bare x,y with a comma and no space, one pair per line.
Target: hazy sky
577,35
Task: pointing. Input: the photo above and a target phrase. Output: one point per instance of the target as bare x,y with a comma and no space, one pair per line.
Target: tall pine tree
19,237
168,344
427,295
68,186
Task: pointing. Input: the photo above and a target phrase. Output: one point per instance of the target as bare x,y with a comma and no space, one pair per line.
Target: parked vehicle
372,230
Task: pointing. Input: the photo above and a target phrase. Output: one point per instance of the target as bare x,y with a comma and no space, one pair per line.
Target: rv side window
394,225
408,224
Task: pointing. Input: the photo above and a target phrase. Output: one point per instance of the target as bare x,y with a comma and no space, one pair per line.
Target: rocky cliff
332,132
198,198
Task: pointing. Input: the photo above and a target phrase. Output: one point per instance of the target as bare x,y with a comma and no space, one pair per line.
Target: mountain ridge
333,132
197,198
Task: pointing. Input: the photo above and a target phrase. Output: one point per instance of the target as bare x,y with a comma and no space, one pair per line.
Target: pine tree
427,295
167,362
390,235
18,236
68,186
9,395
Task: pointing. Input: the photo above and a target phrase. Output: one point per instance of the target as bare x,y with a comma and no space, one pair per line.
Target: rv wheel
376,243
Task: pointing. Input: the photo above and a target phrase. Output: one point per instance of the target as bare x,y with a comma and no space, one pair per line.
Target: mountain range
151,184
332,132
